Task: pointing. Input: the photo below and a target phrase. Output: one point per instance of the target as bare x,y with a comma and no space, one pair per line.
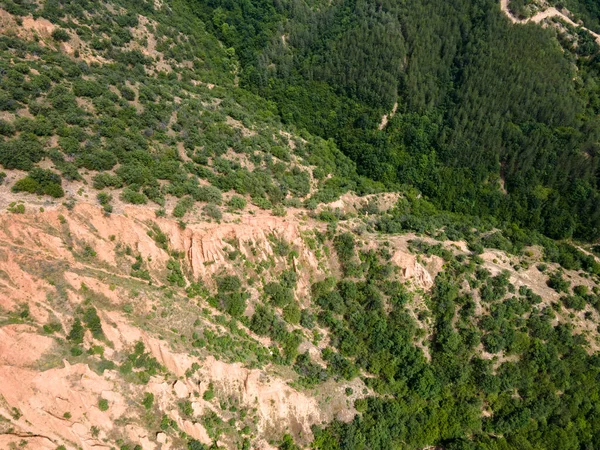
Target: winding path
546,14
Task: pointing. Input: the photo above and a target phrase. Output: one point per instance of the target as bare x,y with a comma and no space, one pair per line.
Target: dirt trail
542,15
386,117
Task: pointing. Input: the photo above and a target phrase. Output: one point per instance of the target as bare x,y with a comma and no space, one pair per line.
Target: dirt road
542,15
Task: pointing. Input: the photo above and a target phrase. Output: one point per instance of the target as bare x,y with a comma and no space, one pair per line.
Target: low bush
237,202
60,35
136,198
41,182
211,210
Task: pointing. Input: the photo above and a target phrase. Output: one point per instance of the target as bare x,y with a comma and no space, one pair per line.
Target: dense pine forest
493,119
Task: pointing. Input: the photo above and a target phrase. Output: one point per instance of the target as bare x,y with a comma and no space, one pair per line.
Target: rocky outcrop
52,263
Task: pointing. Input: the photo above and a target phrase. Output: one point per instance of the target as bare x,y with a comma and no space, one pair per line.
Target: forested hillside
143,103
290,224
493,118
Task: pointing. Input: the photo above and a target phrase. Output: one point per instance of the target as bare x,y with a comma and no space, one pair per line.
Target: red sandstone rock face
48,401
44,279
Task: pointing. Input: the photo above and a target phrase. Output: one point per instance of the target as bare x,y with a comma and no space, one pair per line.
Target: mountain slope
127,329
483,103
146,105
183,265
151,337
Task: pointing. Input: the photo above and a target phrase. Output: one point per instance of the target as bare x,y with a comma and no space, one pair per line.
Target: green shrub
208,194
292,314
103,180
209,394
148,400
558,283
182,207
186,408
233,303
196,289
137,172
212,211
77,332
60,35
21,153
262,202
278,294
127,93
54,190
194,444
98,160
42,182
52,327
237,202
136,198
307,319
92,321
175,275
7,102
26,184
279,245
6,128
581,290
103,404
44,176
279,211
104,199
87,88
574,302
17,209
229,283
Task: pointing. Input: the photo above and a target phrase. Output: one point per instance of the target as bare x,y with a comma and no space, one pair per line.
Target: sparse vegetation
148,400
